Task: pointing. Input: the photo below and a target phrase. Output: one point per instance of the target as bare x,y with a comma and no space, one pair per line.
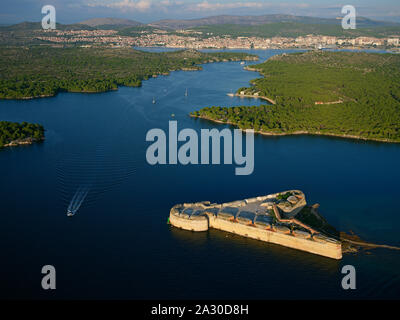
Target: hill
30,26
295,29
96,22
260,20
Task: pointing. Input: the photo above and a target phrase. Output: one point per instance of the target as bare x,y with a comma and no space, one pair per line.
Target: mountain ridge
110,21
252,20
174,24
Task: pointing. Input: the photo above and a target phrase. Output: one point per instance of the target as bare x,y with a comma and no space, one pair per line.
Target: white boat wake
77,200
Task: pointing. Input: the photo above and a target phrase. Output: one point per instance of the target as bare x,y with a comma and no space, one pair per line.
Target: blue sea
118,245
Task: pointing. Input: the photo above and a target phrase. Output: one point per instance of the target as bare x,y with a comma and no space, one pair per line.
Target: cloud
205,5
208,6
196,8
141,5
124,5
147,5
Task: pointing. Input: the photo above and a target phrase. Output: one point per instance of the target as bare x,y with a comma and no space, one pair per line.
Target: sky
72,11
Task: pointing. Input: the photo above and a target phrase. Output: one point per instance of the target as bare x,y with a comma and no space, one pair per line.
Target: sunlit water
119,245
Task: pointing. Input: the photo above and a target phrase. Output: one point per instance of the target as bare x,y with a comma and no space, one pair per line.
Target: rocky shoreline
317,133
27,141
252,96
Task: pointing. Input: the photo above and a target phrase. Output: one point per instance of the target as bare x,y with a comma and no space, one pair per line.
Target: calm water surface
119,245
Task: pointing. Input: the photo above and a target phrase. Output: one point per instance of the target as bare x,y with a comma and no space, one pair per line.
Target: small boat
154,100
242,62
186,93
70,213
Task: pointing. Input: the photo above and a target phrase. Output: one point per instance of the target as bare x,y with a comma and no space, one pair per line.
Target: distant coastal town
199,40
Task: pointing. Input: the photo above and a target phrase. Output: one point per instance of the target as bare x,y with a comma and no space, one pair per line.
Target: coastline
196,67
252,96
27,141
317,133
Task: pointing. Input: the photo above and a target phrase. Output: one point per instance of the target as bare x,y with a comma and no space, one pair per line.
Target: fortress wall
251,200
199,224
239,203
330,250
327,249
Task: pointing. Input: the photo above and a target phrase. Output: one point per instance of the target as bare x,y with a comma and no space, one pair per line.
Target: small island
282,218
14,134
344,94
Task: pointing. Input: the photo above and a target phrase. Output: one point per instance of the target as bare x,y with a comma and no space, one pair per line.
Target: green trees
39,72
359,94
14,131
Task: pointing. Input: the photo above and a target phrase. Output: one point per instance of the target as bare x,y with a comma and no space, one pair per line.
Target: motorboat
70,213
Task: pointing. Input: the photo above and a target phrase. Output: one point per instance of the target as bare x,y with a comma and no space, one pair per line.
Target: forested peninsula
34,72
14,133
346,94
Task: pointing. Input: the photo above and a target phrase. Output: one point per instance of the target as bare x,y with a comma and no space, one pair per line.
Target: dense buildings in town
198,40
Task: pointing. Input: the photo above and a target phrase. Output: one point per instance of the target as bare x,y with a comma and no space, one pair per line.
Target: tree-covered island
348,94
14,133
33,72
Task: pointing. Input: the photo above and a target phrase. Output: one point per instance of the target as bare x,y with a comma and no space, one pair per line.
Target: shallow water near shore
119,245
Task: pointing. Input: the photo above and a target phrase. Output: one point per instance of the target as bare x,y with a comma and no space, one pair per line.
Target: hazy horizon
204,17
147,11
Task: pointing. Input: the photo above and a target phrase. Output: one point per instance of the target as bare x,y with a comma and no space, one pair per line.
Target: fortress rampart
269,218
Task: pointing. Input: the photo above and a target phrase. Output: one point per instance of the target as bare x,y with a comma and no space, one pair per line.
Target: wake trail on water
85,176
78,198
87,171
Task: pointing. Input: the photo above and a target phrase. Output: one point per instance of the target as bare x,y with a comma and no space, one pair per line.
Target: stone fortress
270,218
